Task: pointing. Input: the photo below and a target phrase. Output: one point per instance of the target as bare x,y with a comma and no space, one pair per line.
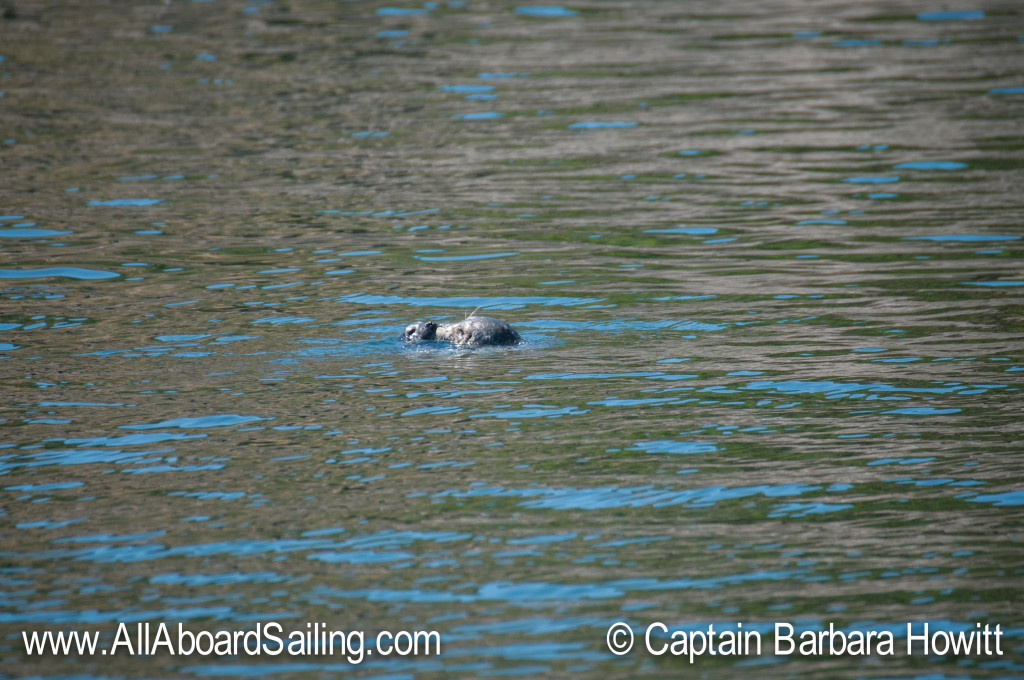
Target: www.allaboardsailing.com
145,638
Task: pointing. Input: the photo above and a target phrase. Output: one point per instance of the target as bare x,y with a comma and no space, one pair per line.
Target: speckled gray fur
476,331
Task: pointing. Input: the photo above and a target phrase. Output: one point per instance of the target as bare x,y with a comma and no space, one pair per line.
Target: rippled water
766,259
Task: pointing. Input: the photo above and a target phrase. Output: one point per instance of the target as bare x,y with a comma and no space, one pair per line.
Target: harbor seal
476,331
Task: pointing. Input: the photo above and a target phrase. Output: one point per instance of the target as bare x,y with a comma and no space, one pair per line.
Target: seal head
421,330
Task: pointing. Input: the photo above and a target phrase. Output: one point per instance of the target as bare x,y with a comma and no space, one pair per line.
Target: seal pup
473,331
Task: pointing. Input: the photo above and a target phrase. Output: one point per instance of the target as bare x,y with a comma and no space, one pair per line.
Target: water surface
766,259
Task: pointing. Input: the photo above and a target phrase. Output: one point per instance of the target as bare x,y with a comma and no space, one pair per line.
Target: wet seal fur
474,331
